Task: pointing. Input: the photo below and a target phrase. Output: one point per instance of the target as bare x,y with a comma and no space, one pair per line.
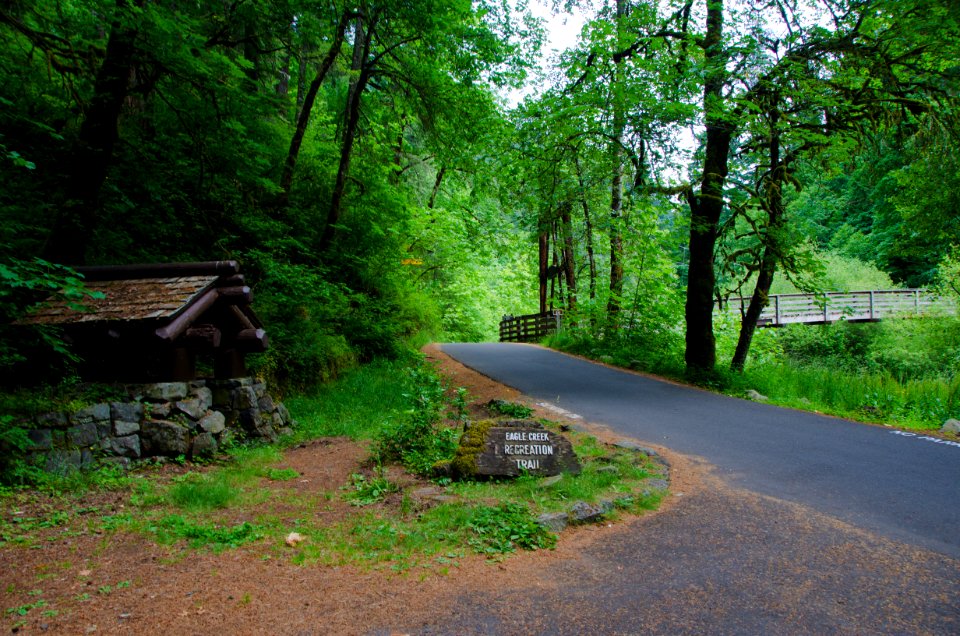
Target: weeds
510,409
417,439
364,491
504,528
175,527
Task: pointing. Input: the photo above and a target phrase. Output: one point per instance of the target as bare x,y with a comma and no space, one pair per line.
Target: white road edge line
558,410
926,438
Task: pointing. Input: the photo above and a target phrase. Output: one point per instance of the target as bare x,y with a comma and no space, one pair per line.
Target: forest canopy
361,161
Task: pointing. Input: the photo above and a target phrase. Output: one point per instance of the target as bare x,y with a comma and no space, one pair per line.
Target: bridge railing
784,309
529,328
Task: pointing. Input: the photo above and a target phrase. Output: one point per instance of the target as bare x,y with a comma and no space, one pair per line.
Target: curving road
905,488
806,524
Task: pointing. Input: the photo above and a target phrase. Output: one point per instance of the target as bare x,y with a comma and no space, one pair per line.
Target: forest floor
75,577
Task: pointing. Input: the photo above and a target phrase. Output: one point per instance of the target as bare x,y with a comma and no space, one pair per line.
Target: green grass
385,401
358,406
921,404
900,372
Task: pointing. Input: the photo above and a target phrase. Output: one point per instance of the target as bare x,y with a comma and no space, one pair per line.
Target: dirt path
713,560
118,583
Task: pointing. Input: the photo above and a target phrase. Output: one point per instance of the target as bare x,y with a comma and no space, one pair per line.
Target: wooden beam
253,340
159,270
236,295
231,281
206,335
181,323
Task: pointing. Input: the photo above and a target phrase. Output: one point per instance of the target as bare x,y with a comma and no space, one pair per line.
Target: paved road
804,524
903,488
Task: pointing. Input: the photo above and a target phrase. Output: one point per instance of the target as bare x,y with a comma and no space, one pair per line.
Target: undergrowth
409,416
903,372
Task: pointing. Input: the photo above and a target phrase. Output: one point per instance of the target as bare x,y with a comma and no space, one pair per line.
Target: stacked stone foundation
189,420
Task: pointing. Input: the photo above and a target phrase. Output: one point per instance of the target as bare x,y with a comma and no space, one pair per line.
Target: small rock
164,438
294,539
165,391
582,512
631,445
756,396
951,426
213,422
555,522
122,427
161,410
191,408
126,446
84,435
549,481
95,413
126,411
203,446
205,396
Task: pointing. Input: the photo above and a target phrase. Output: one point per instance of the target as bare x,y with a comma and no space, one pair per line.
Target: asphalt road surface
811,525
905,488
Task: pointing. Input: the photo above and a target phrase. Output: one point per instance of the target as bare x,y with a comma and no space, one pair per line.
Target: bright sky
562,32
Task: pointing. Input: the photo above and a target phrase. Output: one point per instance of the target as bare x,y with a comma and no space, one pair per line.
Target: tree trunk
616,191
588,230
706,208
569,266
771,250
352,116
95,144
286,178
436,187
543,244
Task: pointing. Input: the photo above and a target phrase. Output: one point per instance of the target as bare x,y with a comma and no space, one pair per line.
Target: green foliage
948,275
419,440
511,409
24,284
364,491
908,348
357,405
202,491
14,442
502,529
281,474
175,527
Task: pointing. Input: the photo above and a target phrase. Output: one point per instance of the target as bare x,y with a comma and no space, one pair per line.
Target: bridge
856,306
783,309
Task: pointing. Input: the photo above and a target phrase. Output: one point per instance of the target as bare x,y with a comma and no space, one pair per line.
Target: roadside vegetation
900,372
389,510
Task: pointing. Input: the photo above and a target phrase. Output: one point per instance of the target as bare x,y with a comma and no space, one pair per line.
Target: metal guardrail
529,328
784,309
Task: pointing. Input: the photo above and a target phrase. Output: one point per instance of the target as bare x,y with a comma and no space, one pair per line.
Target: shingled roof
192,307
133,299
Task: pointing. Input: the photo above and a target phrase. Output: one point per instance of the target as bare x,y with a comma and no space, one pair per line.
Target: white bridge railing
785,309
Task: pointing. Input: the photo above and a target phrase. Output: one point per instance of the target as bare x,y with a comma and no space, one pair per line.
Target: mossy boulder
509,448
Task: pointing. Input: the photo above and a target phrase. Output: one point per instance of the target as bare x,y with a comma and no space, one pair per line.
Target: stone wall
167,419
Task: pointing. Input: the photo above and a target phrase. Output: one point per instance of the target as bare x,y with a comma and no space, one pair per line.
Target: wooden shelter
155,320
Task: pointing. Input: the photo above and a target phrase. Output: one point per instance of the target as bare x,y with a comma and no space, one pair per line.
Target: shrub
419,440
504,528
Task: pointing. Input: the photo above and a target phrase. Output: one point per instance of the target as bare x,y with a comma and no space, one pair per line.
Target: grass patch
400,407
357,406
919,404
204,535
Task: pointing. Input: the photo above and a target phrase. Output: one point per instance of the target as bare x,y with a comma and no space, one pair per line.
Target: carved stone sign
510,448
